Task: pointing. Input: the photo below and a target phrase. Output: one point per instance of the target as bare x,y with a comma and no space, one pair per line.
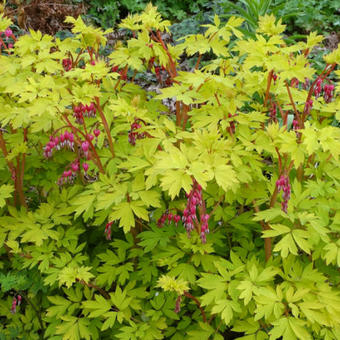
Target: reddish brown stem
283,115
4,151
104,293
269,81
274,197
265,226
198,61
106,127
188,295
77,59
280,160
118,82
172,69
185,116
297,115
218,101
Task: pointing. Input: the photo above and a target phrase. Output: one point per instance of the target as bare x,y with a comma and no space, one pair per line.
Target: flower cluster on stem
318,88
70,175
15,302
133,134
7,34
328,92
107,231
65,140
67,64
168,216
308,106
283,184
81,111
189,218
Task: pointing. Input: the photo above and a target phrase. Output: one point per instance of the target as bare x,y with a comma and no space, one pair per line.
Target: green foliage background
263,273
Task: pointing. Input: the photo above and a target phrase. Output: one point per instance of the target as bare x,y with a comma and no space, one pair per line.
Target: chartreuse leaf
232,133
247,289
276,230
184,271
282,328
332,253
298,327
169,284
157,236
202,331
61,305
268,215
248,326
225,176
216,286
124,213
224,308
286,246
73,328
119,298
4,22
97,307
14,245
173,181
70,274
5,192
150,198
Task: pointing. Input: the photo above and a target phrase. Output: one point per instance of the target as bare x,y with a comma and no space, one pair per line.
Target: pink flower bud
96,132
203,238
14,304
85,146
91,107
8,32
82,108
205,218
89,137
177,218
295,124
74,167
85,167
51,144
